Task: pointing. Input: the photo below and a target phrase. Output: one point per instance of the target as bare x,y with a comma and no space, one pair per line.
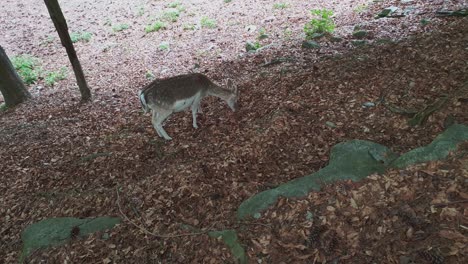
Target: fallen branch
152,233
449,203
278,61
399,110
460,12
421,117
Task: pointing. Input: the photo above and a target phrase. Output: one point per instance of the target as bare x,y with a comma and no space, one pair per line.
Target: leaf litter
63,158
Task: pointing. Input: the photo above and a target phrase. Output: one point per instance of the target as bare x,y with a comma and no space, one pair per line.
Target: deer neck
219,92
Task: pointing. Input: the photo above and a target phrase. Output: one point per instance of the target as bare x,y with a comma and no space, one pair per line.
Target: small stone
336,39
358,43
330,124
368,104
360,34
250,28
310,44
387,11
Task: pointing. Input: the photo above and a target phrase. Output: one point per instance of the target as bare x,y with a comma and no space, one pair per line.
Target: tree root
419,118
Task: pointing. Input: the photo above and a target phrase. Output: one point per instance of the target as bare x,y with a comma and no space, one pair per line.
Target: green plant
227,1
252,46
174,4
280,5
80,36
156,26
189,27
108,22
170,15
149,75
262,34
177,5
287,34
163,45
141,11
27,67
206,22
317,27
425,21
52,77
360,8
49,39
120,27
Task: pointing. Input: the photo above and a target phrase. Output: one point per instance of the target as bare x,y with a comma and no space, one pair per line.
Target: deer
175,94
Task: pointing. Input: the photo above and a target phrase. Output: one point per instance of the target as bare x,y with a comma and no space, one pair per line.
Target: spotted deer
166,96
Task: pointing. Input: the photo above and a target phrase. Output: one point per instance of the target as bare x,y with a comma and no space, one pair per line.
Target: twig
449,203
149,232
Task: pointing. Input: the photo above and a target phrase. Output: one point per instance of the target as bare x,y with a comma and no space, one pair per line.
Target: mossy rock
437,149
352,160
55,231
229,238
355,160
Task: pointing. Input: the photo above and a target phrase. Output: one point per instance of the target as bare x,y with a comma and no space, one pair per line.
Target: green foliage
163,45
156,26
252,46
27,67
170,15
280,5
206,22
262,34
227,1
174,4
108,22
80,36
177,5
322,24
141,11
48,40
287,33
149,75
52,77
360,8
189,27
425,21
29,70
120,27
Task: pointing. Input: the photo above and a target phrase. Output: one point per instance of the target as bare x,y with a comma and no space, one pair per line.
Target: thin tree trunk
12,87
61,25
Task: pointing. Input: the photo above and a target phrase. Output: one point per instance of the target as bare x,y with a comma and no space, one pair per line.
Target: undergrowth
156,26
321,24
80,36
27,67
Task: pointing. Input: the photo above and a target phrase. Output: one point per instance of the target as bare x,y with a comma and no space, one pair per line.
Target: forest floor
60,157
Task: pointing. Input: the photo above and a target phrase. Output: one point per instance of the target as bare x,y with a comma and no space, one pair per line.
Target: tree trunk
12,87
61,25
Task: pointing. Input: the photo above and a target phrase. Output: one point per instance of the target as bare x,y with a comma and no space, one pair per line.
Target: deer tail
141,95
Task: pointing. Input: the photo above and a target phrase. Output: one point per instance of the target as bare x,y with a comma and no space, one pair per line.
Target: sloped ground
63,158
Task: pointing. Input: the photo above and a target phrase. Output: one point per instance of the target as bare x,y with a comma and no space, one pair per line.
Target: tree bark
61,25
12,87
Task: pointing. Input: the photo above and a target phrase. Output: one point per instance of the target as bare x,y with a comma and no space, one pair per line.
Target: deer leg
158,119
153,120
195,108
